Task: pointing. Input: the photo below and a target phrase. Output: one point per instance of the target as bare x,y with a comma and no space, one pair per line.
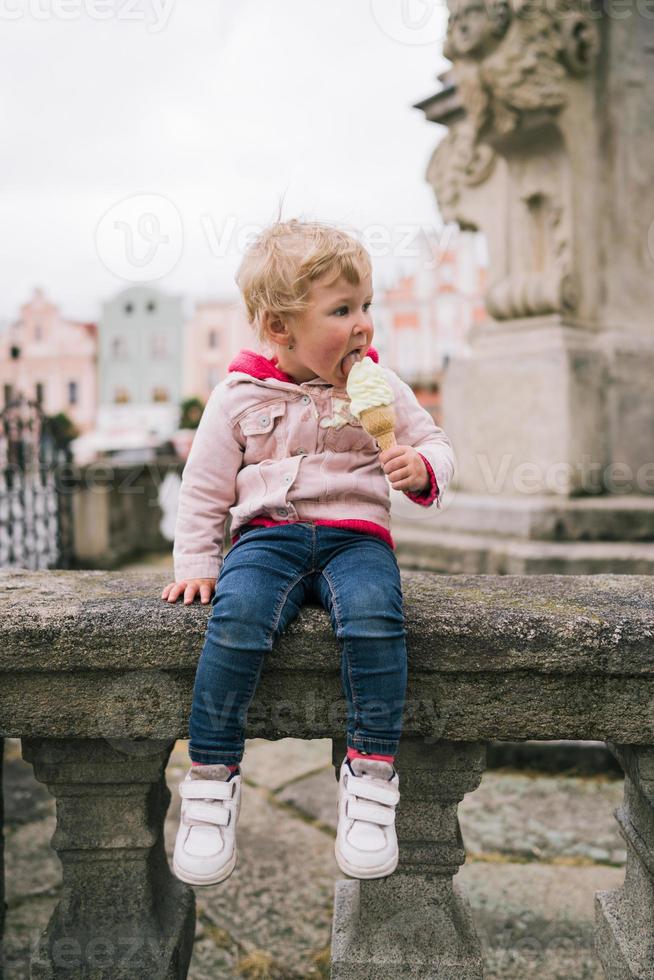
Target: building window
213,339
9,394
72,393
160,395
15,353
151,306
38,331
118,347
121,396
159,345
128,307
40,392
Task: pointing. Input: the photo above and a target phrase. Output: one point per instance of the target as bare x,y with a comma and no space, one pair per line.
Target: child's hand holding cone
371,400
405,468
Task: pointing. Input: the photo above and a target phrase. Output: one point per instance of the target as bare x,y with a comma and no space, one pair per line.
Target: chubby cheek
333,350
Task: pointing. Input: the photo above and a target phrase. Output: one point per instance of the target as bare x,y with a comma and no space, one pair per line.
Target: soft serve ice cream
371,400
367,386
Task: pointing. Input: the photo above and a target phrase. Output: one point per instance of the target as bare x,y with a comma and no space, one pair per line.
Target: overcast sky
146,140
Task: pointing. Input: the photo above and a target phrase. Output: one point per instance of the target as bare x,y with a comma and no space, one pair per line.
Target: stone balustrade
96,679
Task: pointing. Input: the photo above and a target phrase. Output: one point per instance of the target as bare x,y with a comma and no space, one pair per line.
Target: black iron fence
36,521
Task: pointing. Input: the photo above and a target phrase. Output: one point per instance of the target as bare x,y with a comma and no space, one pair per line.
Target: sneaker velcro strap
207,789
373,791
207,813
355,810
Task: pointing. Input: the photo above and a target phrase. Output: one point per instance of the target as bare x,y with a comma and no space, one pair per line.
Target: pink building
216,332
423,319
51,360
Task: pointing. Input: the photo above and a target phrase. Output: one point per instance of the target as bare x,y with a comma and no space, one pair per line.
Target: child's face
337,322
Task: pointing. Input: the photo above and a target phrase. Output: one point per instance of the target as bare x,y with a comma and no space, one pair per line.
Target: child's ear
274,329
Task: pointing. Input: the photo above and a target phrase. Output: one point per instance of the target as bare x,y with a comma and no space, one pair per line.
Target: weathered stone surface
436,549
534,919
544,817
275,765
625,916
100,654
315,795
121,909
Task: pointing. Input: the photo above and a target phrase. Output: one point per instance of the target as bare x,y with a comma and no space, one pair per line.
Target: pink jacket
271,451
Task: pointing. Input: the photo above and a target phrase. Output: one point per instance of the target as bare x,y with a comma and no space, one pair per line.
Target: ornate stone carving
513,64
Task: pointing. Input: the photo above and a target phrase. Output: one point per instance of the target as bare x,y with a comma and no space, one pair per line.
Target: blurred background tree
191,412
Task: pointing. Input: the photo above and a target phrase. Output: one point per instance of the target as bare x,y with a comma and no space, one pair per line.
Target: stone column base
412,926
122,913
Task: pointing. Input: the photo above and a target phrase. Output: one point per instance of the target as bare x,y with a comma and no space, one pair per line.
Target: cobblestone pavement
538,849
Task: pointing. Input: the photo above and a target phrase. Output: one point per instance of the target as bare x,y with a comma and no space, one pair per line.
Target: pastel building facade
423,319
215,333
52,360
140,357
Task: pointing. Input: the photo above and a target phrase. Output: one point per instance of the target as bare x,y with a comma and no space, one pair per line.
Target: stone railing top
489,657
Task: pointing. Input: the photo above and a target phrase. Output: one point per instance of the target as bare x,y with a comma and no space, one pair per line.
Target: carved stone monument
550,113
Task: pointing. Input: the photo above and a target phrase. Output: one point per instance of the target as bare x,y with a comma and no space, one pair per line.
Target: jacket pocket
263,430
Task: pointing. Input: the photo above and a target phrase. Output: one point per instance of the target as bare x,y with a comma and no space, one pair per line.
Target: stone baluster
625,917
415,922
122,914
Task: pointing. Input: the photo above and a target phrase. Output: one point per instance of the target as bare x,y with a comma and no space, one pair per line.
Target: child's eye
367,306
342,311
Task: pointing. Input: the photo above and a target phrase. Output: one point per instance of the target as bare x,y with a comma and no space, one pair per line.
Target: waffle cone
379,422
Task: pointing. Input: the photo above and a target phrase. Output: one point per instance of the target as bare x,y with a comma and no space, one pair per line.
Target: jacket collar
260,367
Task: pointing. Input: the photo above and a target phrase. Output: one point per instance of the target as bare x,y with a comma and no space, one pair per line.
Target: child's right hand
189,587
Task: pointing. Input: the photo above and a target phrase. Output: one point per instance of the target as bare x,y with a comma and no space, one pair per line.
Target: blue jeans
265,578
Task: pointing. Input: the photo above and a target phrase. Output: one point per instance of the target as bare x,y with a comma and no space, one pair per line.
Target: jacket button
287,479
300,452
264,420
305,399
282,512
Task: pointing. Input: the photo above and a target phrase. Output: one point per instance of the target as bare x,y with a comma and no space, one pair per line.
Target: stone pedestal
625,918
415,923
550,116
122,914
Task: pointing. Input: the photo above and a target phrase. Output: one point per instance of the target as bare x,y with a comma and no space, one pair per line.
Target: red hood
249,362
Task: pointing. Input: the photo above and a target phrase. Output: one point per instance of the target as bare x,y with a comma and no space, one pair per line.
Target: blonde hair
280,266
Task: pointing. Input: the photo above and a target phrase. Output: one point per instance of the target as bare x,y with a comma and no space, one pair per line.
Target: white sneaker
366,842
205,846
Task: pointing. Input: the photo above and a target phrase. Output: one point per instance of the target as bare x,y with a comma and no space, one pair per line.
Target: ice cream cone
379,422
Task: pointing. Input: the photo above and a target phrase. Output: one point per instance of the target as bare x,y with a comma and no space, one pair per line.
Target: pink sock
355,754
231,768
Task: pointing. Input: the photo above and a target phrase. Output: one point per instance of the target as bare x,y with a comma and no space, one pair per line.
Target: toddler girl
307,489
